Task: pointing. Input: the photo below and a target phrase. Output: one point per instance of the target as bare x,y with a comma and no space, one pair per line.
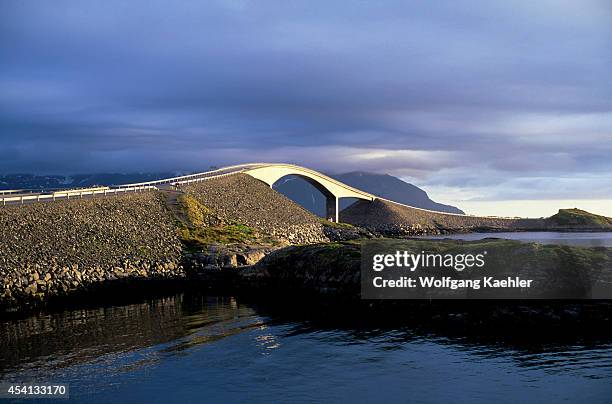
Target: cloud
474,95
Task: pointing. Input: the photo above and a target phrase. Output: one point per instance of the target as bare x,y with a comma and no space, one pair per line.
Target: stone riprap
218,257
51,249
393,219
248,201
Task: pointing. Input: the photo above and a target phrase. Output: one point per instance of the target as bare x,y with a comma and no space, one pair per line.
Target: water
594,239
195,348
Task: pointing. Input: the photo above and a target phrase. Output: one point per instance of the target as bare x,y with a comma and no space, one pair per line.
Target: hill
382,185
579,219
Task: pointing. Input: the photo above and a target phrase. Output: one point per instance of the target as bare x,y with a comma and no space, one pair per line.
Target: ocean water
190,347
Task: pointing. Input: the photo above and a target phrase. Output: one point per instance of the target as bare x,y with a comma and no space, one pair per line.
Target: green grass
199,227
195,212
197,238
578,217
335,225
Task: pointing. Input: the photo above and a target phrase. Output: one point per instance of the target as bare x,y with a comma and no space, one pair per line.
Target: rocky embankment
395,220
243,199
209,231
52,249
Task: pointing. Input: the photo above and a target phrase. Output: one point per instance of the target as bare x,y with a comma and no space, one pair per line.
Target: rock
393,220
334,269
50,249
243,199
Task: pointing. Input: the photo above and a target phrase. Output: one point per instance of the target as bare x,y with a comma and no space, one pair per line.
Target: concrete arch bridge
332,189
270,173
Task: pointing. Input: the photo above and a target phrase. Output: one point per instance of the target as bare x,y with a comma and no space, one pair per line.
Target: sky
498,107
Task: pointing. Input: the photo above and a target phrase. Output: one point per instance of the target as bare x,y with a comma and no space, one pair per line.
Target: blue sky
498,107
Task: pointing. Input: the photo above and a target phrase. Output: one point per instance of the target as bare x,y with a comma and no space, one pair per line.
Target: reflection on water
196,348
594,239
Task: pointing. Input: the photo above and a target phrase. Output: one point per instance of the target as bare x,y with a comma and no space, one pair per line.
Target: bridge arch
332,189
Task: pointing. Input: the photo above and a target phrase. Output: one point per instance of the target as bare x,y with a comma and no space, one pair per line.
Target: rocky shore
334,269
232,230
56,249
53,249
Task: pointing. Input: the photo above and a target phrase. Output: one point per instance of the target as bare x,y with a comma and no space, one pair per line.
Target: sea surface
584,239
189,348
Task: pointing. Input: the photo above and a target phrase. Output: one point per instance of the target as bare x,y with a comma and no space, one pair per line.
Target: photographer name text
412,262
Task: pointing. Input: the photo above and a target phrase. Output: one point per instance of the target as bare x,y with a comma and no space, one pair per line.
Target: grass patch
200,227
195,212
335,225
579,217
197,238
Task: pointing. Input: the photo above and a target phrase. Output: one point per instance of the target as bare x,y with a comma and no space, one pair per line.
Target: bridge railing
206,174
200,179
72,193
13,191
447,213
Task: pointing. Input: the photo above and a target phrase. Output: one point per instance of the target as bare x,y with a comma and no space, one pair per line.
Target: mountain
382,185
29,181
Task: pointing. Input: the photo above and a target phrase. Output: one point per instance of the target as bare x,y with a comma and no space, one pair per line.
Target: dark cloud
450,94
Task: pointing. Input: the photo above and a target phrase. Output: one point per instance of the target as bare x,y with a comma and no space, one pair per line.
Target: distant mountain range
298,190
28,181
383,185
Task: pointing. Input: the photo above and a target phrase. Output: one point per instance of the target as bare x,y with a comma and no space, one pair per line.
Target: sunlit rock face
251,202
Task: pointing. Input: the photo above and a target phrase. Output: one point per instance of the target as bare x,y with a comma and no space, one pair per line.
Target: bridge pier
331,208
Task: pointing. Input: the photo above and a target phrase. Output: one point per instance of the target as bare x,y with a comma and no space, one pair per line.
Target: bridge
332,189
268,173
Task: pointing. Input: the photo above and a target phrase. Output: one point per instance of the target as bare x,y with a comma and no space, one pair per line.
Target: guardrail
7,199
207,174
13,191
205,178
38,190
73,193
445,213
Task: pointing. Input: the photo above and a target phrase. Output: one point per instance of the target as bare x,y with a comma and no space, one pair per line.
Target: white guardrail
8,197
185,179
71,193
12,191
205,178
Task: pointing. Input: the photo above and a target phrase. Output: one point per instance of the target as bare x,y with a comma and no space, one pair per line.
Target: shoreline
211,232
325,270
